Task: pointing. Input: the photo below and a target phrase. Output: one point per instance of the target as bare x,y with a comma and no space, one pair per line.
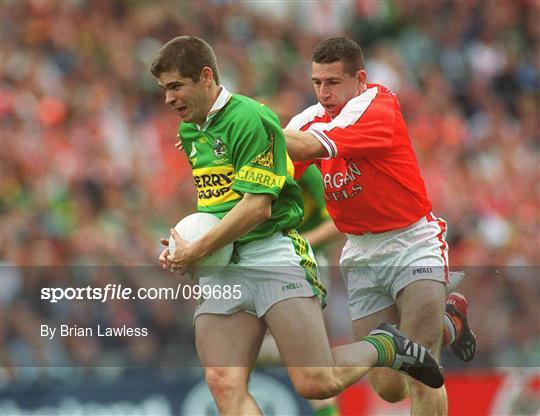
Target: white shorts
269,271
375,267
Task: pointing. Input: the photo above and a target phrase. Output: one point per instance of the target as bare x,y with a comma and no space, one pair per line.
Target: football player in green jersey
243,175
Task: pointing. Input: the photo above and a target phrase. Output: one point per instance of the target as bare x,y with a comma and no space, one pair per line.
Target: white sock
450,327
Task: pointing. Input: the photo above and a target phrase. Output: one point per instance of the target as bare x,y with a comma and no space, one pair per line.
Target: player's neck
215,90
213,95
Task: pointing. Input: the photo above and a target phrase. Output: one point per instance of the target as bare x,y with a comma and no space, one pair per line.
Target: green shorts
270,270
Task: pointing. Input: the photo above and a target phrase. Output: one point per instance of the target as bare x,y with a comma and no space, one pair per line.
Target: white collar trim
222,99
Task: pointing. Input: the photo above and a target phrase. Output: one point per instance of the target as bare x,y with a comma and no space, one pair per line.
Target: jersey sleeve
364,128
258,155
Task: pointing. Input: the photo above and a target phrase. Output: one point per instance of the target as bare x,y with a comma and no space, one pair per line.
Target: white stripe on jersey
328,144
306,116
326,141
349,115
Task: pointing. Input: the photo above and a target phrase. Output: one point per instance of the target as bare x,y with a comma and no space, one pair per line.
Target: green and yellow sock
330,410
386,348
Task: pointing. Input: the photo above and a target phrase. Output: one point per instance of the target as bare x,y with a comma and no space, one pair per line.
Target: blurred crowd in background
90,176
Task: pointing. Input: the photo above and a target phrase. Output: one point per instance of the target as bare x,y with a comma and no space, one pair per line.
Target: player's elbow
263,213
295,150
259,215
259,208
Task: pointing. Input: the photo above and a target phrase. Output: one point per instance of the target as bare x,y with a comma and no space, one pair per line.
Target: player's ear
207,75
362,76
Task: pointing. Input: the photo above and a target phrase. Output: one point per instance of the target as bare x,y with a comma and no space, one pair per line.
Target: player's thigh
298,327
421,307
232,340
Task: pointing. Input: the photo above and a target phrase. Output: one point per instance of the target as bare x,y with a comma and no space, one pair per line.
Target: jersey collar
222,99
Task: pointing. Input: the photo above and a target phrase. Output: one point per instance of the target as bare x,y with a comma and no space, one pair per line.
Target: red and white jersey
372,181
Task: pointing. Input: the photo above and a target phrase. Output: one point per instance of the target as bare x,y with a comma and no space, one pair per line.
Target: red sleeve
364,128
300,167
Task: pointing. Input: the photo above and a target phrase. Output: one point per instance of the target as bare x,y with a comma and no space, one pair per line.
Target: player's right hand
190,271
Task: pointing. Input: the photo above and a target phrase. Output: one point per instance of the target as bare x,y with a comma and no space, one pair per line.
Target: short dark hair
340,49
187,54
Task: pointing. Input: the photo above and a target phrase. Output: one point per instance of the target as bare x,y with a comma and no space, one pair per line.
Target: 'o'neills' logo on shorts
421,270
291,286
214,185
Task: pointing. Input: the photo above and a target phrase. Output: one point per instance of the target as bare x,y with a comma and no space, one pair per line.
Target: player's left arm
251,210
303,145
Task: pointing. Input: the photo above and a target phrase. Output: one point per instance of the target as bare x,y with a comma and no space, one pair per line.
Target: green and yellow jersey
241,149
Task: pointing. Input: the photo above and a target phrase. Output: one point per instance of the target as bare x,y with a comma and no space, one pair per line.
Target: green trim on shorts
301,247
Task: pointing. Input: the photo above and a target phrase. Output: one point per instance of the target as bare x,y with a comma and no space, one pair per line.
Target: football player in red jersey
395,262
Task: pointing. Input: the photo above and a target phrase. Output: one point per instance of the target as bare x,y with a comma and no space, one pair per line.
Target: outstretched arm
303,145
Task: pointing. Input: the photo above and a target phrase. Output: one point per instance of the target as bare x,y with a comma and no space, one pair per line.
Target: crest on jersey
219,148
266,158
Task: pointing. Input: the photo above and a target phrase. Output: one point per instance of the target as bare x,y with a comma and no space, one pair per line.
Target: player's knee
391,395
427,336
390,387
431,339
316,383
224,383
